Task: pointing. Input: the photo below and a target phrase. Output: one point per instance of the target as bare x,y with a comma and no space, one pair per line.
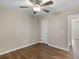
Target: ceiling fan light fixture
38,5
36,8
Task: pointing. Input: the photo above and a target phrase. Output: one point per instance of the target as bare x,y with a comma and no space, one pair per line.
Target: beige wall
58,28
17,29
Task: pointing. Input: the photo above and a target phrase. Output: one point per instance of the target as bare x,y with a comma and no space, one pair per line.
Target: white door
44,31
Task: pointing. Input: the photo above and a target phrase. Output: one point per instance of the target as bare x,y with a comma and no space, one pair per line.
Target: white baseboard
59,47
17,48
30,45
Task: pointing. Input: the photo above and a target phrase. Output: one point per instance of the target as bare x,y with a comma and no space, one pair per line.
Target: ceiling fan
38,5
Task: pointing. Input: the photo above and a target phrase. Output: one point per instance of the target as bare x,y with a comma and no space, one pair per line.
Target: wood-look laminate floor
37,51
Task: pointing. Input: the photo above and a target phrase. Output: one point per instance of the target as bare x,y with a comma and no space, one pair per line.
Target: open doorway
73,35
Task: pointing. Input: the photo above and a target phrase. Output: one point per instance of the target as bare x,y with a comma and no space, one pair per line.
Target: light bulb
36,7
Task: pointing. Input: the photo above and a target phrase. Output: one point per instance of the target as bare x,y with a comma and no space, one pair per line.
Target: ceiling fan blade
35,1
32,1
46,10
38,1
24,6
47,3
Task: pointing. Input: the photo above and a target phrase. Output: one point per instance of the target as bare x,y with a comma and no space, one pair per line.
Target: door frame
70,18
69,32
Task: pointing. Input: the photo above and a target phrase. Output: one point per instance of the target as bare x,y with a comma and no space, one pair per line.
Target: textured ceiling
59,5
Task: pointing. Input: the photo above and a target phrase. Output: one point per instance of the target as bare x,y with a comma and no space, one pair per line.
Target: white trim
17,48
69,32
30,45
58,47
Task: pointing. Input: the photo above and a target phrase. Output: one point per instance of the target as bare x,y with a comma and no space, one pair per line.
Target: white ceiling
59,5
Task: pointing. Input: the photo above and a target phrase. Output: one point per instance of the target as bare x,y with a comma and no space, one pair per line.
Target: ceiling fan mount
38,5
